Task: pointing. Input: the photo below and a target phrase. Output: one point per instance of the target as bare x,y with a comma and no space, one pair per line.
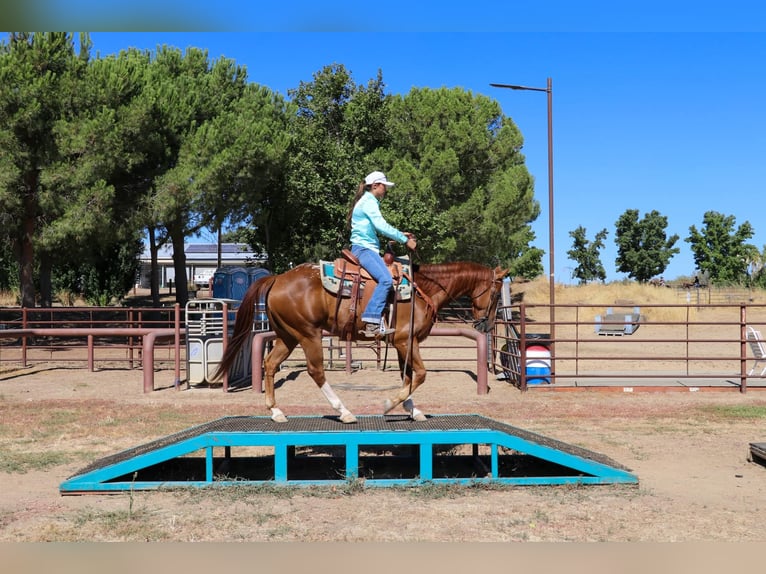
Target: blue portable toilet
230,283
222,283
239,283
255,273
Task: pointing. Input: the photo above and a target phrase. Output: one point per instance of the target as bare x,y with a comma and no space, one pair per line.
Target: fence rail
696,346
60,335
689,344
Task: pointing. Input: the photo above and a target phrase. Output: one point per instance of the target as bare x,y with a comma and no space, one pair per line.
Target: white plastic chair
755,341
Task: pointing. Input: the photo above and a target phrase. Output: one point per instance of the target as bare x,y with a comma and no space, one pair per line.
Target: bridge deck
381,450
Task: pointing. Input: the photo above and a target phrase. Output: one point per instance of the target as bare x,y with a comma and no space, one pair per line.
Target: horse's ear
501,273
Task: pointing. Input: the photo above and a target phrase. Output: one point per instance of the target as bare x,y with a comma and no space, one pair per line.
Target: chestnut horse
299,309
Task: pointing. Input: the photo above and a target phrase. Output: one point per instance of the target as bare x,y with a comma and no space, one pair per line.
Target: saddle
338,276
346,278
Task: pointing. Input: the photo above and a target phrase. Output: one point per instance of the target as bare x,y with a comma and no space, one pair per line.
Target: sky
654,107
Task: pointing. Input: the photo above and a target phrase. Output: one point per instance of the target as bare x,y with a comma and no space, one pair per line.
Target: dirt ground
690,452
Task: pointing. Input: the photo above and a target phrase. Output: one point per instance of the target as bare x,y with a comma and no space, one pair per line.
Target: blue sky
653,109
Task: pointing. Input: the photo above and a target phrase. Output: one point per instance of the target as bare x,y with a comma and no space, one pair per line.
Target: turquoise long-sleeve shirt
367,222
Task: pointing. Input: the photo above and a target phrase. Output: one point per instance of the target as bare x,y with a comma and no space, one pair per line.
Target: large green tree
462,185
39,79
643,247
182,91
336,125
239,159
100,180
720,250
586,254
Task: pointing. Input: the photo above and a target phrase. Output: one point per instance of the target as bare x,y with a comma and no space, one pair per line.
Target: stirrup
376,330
385,329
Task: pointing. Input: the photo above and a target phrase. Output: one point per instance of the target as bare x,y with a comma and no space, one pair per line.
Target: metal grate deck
560,462
366,423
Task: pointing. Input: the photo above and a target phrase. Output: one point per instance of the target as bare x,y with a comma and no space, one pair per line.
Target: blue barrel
538,367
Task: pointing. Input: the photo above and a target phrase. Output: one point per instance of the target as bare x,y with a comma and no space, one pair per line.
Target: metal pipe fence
632,345
622,344
60,335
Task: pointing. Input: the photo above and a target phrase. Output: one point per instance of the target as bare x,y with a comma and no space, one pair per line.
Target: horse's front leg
315,367
274,359
413,375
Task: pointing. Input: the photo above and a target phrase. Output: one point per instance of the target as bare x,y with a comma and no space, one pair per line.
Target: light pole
551,280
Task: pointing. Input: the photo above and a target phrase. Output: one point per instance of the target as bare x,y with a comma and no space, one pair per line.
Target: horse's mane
455,277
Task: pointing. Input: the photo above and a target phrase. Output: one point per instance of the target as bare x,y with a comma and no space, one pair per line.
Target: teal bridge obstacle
380,450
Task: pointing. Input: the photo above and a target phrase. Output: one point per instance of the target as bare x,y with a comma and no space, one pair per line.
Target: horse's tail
243,325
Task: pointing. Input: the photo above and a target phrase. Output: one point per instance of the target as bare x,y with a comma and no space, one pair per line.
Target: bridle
484,325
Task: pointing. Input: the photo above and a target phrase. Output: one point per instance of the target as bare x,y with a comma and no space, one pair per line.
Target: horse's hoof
388,406
278,417
419,417
347,418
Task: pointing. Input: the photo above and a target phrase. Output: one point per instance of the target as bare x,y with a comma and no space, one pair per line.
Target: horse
299,309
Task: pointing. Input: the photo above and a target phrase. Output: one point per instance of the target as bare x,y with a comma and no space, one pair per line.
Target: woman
366,223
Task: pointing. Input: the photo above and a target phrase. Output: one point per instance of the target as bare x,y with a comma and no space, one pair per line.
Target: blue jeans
373,263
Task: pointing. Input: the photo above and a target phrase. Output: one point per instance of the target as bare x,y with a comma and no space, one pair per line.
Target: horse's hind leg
315,367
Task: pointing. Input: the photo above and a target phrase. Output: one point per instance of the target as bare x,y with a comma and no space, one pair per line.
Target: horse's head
484,299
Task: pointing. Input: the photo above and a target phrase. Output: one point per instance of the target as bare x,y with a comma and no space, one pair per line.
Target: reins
483,325
412,326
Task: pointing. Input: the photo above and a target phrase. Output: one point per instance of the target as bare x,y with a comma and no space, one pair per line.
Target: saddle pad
332,283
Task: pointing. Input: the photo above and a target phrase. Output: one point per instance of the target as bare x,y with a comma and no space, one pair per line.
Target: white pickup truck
202,279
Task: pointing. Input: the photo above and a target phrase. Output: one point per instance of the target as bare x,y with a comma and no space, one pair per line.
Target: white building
201,262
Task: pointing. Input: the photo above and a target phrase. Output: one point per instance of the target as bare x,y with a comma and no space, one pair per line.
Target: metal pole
552,280
551,275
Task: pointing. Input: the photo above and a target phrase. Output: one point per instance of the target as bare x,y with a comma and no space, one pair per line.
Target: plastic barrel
538,368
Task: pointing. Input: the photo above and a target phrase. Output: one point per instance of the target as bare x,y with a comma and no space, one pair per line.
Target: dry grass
592,299
9,298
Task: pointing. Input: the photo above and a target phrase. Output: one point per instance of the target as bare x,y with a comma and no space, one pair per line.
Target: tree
38,78
240,159
643,248
182,92
586,254
757,269
462,185
99,181
720,250
336,124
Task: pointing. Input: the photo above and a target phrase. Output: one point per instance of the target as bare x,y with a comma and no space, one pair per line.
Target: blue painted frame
586,470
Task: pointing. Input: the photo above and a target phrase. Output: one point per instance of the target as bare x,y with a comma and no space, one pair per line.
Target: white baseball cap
377,177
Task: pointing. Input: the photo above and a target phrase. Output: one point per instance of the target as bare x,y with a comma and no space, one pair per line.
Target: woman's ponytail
359,193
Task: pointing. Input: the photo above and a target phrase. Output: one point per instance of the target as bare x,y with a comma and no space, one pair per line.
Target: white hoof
278,416
418,416
347,418
388,405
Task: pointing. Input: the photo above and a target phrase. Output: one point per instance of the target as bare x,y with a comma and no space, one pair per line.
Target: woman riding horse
366,223
300,310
